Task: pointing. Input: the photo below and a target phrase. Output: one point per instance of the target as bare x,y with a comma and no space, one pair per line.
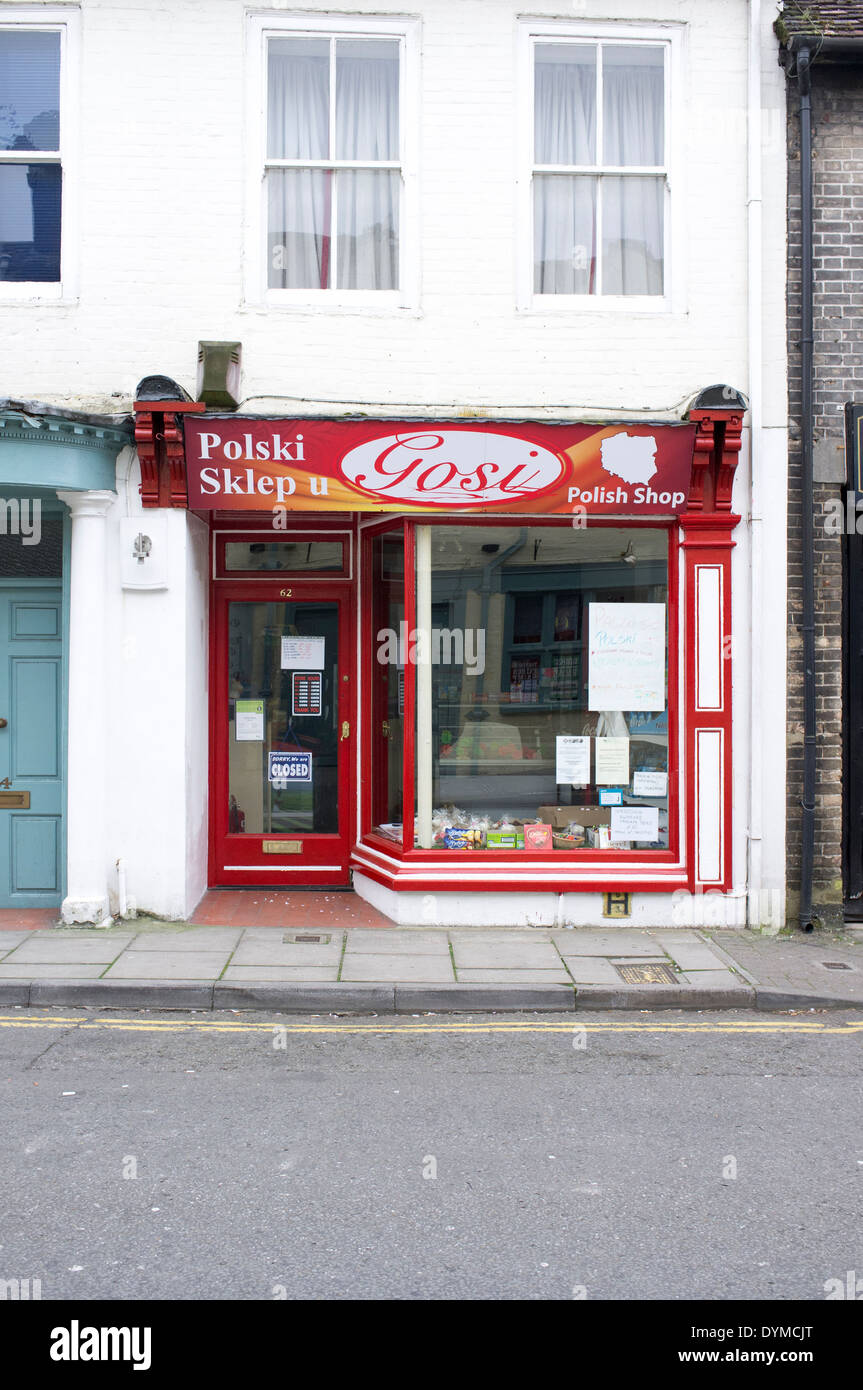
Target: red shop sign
411,466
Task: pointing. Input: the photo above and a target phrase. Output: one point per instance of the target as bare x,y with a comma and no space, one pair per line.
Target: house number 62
285,593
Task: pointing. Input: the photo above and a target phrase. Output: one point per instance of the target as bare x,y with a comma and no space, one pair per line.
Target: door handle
346,730
2,723
385,728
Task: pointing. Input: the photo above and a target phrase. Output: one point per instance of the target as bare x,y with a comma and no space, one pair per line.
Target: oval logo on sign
452,468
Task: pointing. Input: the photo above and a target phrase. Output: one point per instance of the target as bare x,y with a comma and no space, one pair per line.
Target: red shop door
282,735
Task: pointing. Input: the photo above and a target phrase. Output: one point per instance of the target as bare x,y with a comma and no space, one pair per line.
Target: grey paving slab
623,943
197,939
277,953
396,967
724,979
510,934
332,936
675,934
52,970
65,949
515,976
697,957
169,965
593,970
293,973
10,939
497,955
364,942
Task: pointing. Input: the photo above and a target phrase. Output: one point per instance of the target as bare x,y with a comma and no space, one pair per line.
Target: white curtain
302,202
565,251
633,208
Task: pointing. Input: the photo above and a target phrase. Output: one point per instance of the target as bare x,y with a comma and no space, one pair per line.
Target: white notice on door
572,760
303,653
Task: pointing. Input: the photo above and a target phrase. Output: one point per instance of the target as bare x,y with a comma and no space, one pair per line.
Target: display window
520,680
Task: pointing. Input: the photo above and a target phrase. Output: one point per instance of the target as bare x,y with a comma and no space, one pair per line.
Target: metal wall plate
282,847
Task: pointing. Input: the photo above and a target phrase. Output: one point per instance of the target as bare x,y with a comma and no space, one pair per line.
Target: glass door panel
283,724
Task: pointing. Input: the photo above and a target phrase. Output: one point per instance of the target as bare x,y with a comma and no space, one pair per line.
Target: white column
86,794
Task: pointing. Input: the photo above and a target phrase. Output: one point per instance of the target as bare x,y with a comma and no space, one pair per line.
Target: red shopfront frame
699,857
423,870
239,859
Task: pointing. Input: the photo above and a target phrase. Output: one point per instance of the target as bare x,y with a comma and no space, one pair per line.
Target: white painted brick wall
162,177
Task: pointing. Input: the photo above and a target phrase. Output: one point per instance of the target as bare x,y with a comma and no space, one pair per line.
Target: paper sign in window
249,724
290,769
646,783
612,761
627,656
300,653
635,823
572,760
306,692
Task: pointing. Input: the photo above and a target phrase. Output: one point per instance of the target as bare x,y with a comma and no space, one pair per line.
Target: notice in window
572,761
646,783
612,762
300,652
290,769
249,723
627,656
635,823
306,692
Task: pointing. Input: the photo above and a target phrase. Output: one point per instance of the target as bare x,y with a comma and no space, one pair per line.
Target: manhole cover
306,939
836,965
647,974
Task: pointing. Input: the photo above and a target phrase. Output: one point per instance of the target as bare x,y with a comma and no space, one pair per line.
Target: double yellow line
433,1026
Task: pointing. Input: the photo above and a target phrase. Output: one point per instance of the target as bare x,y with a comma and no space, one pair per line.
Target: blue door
31,746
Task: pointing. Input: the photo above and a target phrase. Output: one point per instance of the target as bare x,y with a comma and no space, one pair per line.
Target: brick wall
837,110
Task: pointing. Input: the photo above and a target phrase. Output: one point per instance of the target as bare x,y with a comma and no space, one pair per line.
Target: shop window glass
292,557
277,708
388,682
542,715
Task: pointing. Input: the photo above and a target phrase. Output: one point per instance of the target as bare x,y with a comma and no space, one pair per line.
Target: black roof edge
827,48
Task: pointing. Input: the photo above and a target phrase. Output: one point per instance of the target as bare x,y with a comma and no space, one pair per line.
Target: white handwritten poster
627,656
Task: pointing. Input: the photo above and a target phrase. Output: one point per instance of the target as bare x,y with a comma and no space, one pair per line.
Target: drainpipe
807,500
755,251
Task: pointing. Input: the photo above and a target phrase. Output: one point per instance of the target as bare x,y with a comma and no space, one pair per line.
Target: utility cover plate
306,939
647,974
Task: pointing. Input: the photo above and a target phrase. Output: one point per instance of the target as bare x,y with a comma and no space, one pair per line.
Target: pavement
398,970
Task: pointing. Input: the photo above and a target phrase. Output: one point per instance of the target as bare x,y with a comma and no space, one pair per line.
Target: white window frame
257,292
65,20
669,36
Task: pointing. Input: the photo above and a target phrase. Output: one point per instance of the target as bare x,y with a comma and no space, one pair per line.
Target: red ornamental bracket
159,441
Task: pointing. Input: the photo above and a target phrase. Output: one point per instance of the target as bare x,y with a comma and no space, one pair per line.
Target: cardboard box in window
560,816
